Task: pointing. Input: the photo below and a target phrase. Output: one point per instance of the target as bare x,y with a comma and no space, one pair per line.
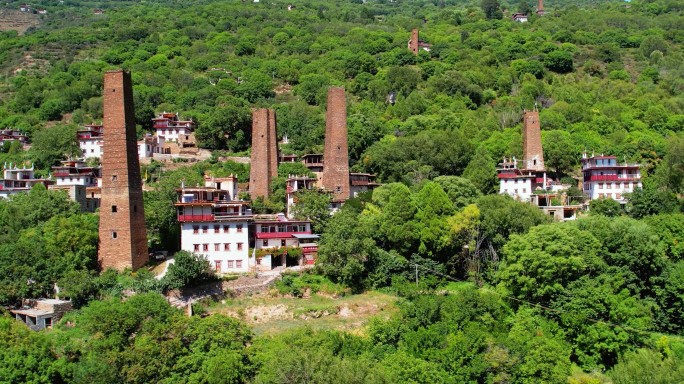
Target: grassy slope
270,313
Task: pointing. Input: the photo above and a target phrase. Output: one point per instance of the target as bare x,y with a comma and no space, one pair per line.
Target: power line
543,307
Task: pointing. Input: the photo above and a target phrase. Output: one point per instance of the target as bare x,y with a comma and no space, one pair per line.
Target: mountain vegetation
489,289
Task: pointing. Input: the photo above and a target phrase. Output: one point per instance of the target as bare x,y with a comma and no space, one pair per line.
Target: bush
296,284
187,269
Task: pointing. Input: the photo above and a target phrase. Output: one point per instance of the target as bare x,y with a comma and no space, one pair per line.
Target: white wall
610,189
202,238
520,189
91,148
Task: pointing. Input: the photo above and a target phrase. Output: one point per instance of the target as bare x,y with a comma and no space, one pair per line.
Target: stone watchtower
335,153
533,155
264,160
413,43
123,237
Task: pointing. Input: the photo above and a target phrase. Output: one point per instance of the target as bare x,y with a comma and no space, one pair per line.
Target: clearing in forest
270,313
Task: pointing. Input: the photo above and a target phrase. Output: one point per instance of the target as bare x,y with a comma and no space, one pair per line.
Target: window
230,263
239,227
238,263
618,196
205,247
135,209
600,185
48,322
226,228
217,265
282,242
114,178
217,228
258,261
524,190
609,185
196,247
113,234
195,229
226,246
217,247
205,229
264,243
113,208
239,245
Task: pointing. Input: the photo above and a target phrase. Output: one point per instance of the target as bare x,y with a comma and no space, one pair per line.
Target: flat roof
307,236
31,312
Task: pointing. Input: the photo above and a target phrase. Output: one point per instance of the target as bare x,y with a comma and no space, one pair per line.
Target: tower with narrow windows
123,237
533,154
264,158
336,152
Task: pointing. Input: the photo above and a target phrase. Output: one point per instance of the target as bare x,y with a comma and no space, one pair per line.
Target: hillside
441,278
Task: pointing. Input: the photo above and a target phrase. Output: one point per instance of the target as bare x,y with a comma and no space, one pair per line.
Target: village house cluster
172,136
216,223
523,17
526,179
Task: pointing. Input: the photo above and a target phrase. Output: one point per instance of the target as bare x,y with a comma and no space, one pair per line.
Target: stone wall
264,159
123,237
533,154
336,154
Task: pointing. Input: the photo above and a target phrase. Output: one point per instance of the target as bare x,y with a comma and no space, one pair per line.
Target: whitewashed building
214,223
19,179
90,141
605,178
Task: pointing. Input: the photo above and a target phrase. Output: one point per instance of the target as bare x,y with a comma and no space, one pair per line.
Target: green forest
488,289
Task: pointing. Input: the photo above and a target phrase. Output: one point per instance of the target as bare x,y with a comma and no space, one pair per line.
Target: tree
538,349
312,88
559,151
187,269
481,171
227,127
491,9
51,145
524,7
670,171
344,248
402,80
590,306
670,229
630,245
539,265
559,61
650,201
315,206
26,356
434,207
671,298
461,191
501,216
648,366
605,207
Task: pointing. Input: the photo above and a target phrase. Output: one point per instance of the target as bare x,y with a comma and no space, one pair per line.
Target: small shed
41,314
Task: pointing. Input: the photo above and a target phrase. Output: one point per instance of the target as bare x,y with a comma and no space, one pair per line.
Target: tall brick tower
264,162
413,43
123,238
336,153
533,154
540,8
